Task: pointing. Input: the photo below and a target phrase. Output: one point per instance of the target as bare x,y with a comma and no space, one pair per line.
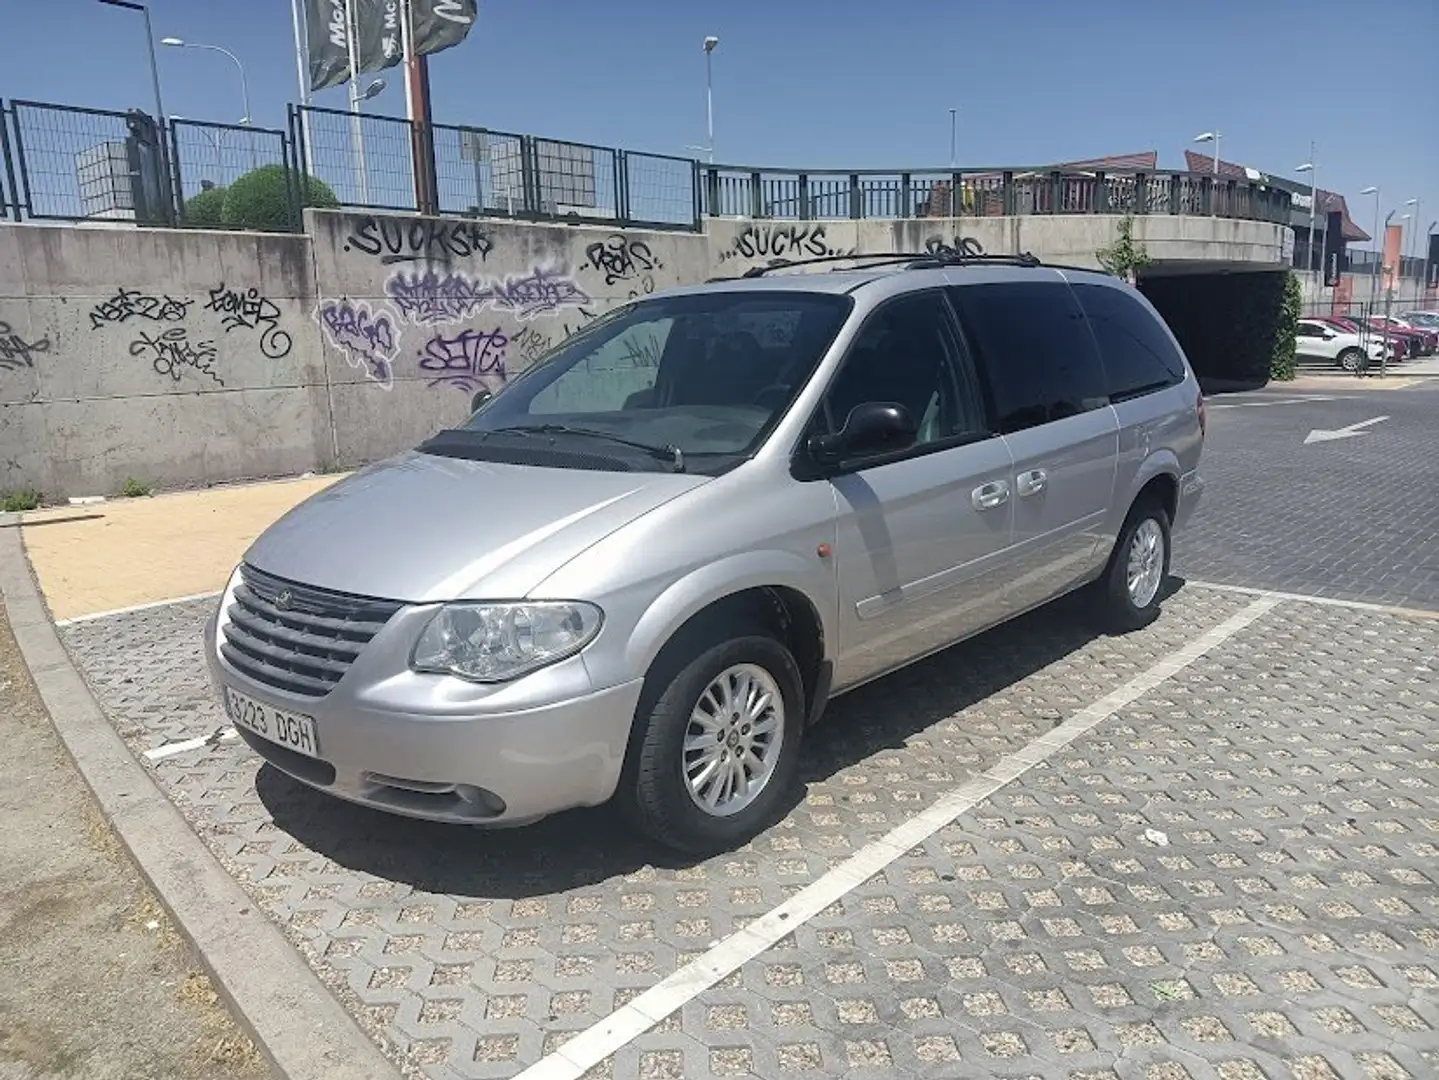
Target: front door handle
1032,482
988,496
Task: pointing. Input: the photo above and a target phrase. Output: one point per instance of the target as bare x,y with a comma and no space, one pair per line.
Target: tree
1125,257
205,210
1282,363
263,200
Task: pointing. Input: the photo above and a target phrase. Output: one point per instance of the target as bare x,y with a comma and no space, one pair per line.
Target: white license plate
294,731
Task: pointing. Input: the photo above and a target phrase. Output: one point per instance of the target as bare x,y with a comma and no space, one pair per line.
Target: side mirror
481,396
874,427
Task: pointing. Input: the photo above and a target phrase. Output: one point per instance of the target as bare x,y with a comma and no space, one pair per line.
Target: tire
1351,359
654,793
1121,608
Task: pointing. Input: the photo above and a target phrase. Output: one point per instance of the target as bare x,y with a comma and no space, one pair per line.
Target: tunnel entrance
1224,319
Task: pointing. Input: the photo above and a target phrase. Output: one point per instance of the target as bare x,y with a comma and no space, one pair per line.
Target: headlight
490,643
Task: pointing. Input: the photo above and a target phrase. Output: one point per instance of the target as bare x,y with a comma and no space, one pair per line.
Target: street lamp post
180,43
1408,240
1378,247
358,98
1212,136
1312,169
709,47
953,145
144,11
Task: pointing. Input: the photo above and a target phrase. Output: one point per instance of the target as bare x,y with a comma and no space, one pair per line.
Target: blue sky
842,83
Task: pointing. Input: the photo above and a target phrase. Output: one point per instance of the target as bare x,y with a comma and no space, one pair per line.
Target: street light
953,147
1408,240
130,5
357,97
1313,172
180,43
1212,136
1378,246
709,46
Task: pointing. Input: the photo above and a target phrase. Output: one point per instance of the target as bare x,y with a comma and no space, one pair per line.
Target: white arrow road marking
1319,435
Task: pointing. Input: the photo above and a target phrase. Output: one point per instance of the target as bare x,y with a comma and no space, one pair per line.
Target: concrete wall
184,357
176,357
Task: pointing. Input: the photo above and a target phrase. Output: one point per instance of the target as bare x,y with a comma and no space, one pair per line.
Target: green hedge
205,210
261,200
1282,363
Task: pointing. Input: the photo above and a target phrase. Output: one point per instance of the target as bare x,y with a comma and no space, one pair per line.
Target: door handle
1032,482
988,496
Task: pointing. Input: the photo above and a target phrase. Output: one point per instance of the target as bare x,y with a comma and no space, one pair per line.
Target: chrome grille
296,637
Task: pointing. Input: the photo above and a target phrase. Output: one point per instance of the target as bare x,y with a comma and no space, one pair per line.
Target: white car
1315,340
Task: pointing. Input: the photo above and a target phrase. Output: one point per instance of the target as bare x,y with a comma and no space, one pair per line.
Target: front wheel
1131,586
715,751
1351,359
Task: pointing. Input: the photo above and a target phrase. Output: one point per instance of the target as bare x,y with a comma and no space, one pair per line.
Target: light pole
1408,240
357,98
130,5
1313,171
953,145
709,47
180,43
1378,247
1212,136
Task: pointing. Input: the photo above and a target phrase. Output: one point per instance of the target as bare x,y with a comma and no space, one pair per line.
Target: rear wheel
1138,567
716,745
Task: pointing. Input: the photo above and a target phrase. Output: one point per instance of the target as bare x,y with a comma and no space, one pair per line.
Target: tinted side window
1138,356
1034,349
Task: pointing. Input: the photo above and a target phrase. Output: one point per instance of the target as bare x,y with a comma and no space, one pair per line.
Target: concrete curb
277,998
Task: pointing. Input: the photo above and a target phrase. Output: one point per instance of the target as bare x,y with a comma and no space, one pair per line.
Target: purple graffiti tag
468,361
536,293
368,339
430,297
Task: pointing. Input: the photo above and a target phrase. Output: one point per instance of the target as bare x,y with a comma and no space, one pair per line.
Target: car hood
420,528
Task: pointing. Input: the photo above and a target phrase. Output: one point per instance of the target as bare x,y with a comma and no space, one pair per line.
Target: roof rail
915,260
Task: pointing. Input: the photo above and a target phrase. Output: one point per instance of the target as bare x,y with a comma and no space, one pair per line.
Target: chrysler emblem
283,598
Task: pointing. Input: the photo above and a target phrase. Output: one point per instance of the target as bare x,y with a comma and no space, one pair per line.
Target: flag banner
441,24
379,42
328,42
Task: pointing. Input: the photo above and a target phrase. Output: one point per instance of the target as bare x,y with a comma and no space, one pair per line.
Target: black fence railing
208,156
1361,262
62,162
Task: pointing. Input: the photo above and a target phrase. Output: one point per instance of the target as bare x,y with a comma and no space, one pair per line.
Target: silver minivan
642,568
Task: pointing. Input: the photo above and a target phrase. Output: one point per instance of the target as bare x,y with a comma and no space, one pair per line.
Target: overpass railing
833,194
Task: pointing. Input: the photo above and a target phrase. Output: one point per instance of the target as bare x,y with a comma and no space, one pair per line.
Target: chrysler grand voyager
642,568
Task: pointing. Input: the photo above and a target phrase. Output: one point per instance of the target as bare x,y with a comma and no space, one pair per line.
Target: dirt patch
106,988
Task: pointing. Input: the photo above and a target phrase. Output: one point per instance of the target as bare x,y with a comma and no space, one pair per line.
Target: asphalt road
1352,518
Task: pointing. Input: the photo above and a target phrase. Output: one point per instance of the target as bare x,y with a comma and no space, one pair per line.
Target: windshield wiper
667,452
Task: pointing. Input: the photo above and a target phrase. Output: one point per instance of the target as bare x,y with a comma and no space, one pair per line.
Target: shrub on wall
205,210
261,200
1125,257
1282,363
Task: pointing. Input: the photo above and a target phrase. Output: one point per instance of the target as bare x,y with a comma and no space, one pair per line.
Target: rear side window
1139,357
1037,356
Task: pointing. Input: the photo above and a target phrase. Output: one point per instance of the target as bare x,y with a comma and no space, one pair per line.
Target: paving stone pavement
1233,877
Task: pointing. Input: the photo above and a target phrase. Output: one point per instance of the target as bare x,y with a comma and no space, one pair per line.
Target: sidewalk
97,982
124,553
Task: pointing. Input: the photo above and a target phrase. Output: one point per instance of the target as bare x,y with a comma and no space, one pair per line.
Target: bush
260,200
205,210
134,489
16,501
1282,363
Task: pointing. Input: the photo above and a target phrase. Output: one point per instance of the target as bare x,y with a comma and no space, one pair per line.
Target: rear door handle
1032,482
988,496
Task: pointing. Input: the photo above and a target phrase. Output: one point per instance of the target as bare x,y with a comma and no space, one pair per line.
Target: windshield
684,383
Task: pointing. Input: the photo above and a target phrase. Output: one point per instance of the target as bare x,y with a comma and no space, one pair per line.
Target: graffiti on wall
623,260
248,309
397,240
790,241
530,344
128,304
430,297
16,352
955,245
171,352
368,339
470,360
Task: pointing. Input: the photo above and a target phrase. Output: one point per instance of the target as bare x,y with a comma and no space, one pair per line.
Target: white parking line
1327,601
594,1044
1280,401
136,607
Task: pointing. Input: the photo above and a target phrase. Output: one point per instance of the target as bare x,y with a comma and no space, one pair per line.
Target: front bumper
481,764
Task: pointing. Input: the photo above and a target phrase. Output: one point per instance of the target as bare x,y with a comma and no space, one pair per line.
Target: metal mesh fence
659,190
366,160
95,164
216,155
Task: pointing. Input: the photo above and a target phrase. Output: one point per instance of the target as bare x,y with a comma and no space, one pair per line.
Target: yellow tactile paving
123,553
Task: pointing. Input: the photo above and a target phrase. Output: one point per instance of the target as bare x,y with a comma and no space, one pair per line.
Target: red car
1353,324
1429,338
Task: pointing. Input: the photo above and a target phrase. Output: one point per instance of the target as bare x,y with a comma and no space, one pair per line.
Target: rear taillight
1203,415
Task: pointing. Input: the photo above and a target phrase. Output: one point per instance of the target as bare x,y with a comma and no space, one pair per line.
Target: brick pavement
1233,877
